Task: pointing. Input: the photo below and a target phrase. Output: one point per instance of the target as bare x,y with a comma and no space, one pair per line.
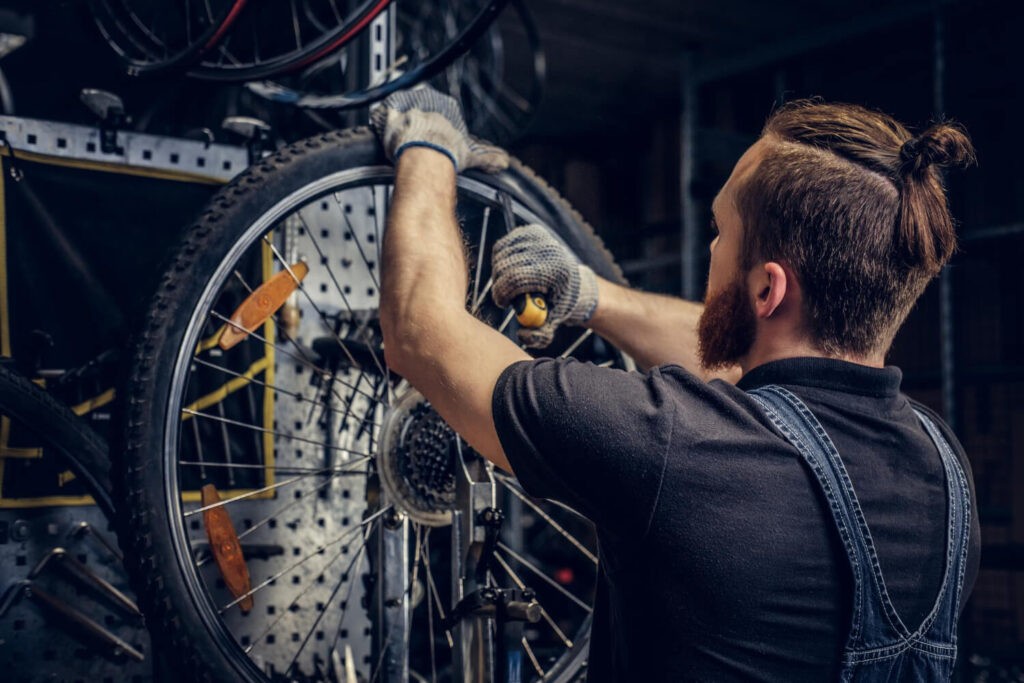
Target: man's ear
770,285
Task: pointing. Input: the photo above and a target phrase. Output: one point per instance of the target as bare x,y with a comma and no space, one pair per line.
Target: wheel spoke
283,435
383,654
378,244
508,318
305,362
319,551
533,658
355,238
547,518
330,272
316,622
544,577
319,311
279,469
575,345
480,299
543,612
259,639
271,487
252,334
511,483
348,595
432,588
480,252
294,394
276,513
430,612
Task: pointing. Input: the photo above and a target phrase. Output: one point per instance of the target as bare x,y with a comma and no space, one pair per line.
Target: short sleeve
593,438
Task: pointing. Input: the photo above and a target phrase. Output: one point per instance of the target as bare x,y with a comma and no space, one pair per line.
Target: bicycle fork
486,621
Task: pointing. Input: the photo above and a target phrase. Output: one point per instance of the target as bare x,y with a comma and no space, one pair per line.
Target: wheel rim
195,413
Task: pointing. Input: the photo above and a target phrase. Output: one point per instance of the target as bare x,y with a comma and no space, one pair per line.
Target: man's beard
727,327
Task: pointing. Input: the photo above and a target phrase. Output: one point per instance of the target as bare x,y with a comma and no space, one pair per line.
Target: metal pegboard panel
303,543
141,150
346,230
301,535
37,642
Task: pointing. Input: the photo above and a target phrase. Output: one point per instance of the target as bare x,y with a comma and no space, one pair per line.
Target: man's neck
761,353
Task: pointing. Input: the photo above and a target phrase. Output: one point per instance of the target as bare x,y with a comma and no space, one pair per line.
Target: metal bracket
255,132
69,617
79,572
110,110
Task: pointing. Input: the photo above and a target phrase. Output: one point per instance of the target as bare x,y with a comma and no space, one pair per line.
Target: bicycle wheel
151,37
499,82
216,40
320,89
258,47
34,420
313,446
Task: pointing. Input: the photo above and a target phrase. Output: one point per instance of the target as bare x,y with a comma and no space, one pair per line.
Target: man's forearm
423,269
652,328
430,338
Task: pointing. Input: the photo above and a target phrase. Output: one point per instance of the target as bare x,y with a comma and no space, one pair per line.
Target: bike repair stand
482,610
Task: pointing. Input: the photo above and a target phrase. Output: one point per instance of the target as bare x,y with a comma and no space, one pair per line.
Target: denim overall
880,647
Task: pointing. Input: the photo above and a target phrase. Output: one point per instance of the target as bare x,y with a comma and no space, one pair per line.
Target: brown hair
855,206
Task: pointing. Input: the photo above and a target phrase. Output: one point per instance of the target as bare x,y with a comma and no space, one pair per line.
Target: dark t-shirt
719,560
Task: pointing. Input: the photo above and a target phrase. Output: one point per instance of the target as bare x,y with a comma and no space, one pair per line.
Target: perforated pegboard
342,230
35,645
141,150
303,544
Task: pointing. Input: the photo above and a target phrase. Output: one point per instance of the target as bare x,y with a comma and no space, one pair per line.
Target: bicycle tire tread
86,451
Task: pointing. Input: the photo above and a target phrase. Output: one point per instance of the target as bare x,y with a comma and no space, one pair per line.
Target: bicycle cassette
417,460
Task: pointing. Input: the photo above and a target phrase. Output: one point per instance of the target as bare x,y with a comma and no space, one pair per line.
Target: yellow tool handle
531,310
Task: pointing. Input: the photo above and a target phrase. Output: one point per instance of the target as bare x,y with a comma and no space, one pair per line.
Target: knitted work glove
531,260
425,118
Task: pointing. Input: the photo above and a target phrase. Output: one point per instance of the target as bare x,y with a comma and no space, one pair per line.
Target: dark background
610,135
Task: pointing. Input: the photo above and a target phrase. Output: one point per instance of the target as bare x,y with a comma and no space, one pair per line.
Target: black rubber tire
115,27
151,555
84,451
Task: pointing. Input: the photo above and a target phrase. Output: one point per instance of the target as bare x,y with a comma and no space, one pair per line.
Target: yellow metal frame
265,364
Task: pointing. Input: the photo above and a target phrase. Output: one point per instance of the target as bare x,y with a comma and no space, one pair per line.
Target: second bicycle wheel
265,469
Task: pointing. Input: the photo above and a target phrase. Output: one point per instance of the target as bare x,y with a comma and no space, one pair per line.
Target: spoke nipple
393,519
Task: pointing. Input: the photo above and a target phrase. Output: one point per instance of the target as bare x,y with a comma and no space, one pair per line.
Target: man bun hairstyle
855,206
926,231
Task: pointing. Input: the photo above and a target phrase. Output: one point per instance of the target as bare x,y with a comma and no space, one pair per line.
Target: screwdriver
531,308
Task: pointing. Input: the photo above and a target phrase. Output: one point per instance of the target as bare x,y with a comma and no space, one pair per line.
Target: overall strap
871,604
958,530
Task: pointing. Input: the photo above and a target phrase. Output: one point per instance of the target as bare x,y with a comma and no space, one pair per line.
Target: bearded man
807,522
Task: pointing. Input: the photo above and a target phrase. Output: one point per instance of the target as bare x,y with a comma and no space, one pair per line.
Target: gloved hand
530,259
423,117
